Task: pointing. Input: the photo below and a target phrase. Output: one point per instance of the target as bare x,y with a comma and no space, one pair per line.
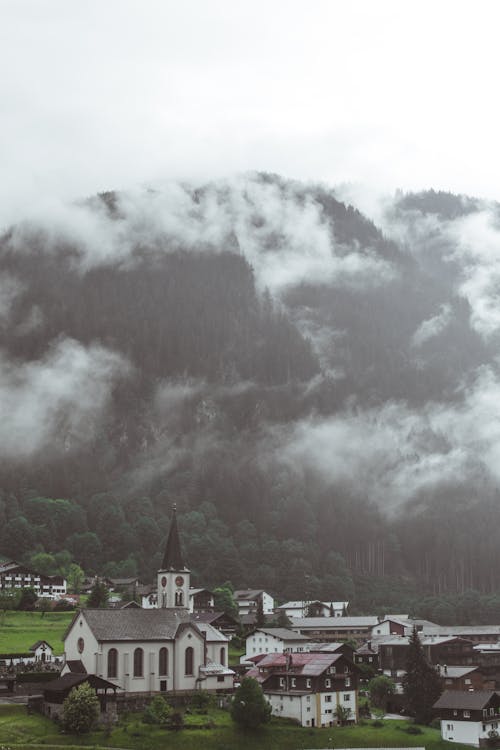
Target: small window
294,682
328,683
308,684
347,697
466,714
223,656
348,682
282,682
220,678
328,698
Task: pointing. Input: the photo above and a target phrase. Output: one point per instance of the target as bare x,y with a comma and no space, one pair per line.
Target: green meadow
19,730
19,630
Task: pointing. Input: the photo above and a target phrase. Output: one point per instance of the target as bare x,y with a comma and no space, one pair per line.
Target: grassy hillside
29,731
19,630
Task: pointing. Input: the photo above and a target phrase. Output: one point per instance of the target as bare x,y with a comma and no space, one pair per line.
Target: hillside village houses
314,608
14,576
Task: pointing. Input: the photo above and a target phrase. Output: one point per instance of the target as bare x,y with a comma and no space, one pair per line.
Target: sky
110,95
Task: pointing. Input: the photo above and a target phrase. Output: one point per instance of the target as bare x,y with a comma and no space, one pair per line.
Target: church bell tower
173,578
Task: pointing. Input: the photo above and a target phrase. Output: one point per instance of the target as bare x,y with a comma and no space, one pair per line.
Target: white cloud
391,453
432,327
57,402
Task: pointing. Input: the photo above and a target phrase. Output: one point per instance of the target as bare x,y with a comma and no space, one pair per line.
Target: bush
80,709
412,729
158,712
202,700
377,723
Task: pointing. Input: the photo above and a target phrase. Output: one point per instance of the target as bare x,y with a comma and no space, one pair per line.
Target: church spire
172,559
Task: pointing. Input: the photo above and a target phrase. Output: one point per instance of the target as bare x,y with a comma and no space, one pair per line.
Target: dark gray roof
76,666
172,559
70,680
464,699
135,624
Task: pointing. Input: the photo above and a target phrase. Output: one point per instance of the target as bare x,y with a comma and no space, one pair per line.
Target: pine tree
421,682
250,708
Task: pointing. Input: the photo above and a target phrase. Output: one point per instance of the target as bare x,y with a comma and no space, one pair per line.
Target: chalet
15,576
273,640
223,621
367,654
464,678
334,628
152,650
392,626
393,652
309,687
314,608
468,717
249,600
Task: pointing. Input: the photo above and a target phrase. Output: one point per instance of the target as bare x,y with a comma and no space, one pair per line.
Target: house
14,576
309,687
154,650
314,608
223,621
367,654
249,600
464,678
42,651
468,716
392,626
334,628
273,640
393,652
475,633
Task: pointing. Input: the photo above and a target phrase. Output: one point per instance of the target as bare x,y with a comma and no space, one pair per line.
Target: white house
160,649
273,641
319,608
14,576
248,601
468,717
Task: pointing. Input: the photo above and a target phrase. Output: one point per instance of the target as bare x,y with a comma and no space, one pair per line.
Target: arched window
188,660
112,662
163,662
138,662
178,599
223,656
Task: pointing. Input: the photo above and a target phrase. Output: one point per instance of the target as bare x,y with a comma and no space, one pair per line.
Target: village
315,665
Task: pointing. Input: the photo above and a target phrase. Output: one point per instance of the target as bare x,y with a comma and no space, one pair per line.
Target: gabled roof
135,624
474,700
76,666
70,680
211,617
40,643
301,663
172,559
454,673
211,633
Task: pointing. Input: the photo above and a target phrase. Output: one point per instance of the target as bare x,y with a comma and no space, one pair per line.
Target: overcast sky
102,94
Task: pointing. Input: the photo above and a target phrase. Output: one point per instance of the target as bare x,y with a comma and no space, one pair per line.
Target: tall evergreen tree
421,682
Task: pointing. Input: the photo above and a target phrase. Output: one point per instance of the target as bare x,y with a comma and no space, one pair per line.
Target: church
156,650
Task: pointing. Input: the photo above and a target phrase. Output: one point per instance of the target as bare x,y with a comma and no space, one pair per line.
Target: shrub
158,712
80,709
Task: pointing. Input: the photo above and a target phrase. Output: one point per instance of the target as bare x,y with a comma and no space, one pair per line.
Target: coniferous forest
317,392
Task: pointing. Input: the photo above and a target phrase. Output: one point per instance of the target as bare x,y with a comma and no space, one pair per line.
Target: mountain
317,394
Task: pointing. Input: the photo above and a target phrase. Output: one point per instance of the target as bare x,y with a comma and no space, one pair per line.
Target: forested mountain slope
317,394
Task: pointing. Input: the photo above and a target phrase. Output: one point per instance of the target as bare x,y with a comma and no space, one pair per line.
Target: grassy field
19,630
19,730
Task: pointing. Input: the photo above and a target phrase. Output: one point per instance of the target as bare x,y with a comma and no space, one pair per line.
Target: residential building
14,576
249,600
309,687
314,608
468,717
334,628
273,640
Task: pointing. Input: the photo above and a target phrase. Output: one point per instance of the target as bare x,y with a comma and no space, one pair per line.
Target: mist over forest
318,393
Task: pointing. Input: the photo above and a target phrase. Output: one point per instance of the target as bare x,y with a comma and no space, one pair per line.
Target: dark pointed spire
172,559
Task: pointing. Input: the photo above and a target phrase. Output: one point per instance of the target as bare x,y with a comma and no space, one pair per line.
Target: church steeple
172,559
173,578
